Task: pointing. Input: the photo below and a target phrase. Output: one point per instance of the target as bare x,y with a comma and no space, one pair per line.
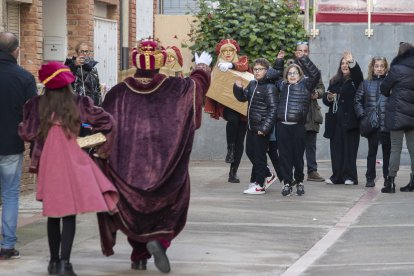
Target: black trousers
256,148
373,140
291,141
235,133
344,148
274,157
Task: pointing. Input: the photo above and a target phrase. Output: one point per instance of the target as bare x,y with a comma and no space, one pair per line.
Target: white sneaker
269,181
349,182
328,181
255,190
251,184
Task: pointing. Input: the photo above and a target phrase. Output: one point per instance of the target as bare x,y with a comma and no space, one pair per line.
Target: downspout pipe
124,34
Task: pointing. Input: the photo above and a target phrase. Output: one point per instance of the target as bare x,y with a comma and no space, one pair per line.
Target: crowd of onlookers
283,118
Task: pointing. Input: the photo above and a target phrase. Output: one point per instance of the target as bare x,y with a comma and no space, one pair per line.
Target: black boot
65,268
390,185
233,175
410,186
52,268
230,153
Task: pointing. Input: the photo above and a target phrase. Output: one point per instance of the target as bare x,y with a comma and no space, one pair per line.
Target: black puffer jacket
294,99
368,98
261,111
87,80
398,85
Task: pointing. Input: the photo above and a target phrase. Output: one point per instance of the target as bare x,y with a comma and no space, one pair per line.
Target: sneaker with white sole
300,189
349,182
329,181
269,180
255,190
287,190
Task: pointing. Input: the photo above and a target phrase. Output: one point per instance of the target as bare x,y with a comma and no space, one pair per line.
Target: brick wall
132,29
28,180
31,36
80,23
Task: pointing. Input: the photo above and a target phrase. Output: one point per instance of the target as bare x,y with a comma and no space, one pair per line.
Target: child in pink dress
69,182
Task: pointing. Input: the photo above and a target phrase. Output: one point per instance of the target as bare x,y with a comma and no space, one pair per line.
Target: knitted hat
149,55
55,75
227,43
174,51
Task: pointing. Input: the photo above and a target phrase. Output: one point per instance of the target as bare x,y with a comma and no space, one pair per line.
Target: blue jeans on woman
10,174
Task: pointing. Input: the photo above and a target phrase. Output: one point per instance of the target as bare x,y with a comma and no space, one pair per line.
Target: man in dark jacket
313,120
16,87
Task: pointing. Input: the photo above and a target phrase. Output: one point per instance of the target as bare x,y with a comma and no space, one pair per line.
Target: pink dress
69,181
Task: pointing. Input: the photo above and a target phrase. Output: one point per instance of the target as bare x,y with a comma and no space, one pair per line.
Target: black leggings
58,239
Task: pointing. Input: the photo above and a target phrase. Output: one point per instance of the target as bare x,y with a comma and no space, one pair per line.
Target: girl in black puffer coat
292,109
261,114
398,85
370,109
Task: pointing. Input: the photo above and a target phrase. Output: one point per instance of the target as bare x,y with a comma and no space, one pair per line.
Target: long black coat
345,90
398,85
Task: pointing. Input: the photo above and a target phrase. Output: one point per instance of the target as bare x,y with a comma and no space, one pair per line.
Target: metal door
106,50
145,19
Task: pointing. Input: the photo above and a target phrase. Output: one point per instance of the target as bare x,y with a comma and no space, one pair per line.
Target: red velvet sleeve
100,120
201,77
29,127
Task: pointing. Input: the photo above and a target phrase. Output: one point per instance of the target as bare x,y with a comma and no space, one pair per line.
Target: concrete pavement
332,229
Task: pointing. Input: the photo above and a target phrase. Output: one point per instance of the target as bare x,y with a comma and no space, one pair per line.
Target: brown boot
314,176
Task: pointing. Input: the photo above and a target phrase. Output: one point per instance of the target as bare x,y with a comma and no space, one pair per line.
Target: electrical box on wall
53,48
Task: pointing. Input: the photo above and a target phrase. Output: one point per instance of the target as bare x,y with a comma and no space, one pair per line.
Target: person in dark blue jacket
16,87
370,110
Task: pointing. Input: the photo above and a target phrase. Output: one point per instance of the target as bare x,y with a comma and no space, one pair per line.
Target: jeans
10,174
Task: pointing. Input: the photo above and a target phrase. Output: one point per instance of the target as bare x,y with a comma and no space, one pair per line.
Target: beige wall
167,27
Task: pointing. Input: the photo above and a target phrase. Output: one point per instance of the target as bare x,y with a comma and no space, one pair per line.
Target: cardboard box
221,88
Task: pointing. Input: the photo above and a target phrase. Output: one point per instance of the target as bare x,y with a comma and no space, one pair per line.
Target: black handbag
330,120
371,122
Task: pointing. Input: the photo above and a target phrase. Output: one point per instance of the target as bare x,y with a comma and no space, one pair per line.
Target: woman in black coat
342,127
398,85
370,109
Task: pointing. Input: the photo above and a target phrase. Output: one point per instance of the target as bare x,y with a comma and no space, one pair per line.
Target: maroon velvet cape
150,155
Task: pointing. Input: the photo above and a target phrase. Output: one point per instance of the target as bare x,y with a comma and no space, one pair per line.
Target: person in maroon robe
157,117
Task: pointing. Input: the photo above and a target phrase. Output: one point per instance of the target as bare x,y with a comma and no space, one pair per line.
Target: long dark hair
339,75
59,105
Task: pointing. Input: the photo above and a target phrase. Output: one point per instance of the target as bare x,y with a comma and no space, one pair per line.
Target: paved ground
332,229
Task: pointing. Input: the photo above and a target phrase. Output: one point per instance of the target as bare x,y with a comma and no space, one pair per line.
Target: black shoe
161,261
410,186
300,189
139,265
370,183
6,254
52,268
390,185
65,269
287,189
233,175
